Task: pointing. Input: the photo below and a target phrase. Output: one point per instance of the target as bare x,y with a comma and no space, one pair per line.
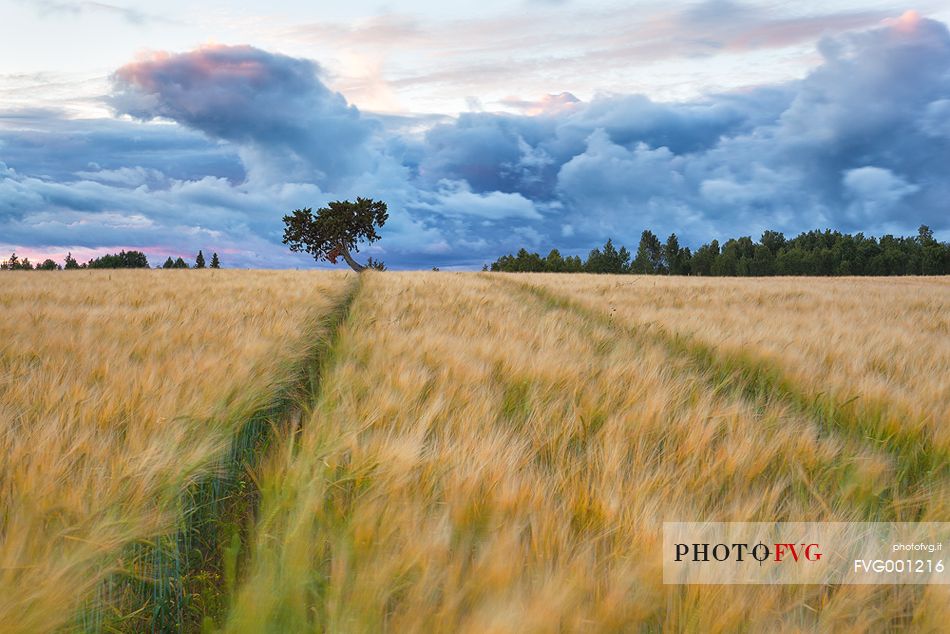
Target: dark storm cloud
524,153
491,152
47,143
860,144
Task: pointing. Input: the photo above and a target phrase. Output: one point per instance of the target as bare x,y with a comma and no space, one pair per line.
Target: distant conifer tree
215,262
71,263
181,264
200,260
169,263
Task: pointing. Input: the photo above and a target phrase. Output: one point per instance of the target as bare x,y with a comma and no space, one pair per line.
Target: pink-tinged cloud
907,23
789,32
468,55
273,105
547,105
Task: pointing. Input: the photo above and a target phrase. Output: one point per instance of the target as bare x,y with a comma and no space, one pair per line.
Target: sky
486,126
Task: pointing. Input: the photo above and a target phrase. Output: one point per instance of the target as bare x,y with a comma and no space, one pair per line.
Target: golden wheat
116,390
877,342
481,459
481,453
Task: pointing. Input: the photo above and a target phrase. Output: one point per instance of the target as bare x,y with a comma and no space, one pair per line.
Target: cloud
455,199
394,60
489,152
869,112
73,9
936,119
226,139
48,143
548,104
608,173
655,30
208,213
274,105
762,186
124,176
875,191
877,184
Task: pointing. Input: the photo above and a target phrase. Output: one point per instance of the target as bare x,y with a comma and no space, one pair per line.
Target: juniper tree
215,262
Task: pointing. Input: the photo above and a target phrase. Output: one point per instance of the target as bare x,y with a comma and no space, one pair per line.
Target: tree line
179,263
811,253
120,260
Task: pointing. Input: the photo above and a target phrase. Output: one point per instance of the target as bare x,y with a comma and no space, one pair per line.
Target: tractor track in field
758,382
194,571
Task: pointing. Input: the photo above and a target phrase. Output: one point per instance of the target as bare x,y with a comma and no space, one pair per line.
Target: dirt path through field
191,575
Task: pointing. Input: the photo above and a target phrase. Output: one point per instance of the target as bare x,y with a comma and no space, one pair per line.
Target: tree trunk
356,266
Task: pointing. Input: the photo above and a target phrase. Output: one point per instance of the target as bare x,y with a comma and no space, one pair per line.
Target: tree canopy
336,230
120,260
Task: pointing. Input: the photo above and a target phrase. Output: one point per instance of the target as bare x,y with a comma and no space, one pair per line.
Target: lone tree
336,230
215,262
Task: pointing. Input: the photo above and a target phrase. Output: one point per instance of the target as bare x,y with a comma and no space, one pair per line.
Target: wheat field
467,452
117,390
884,345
